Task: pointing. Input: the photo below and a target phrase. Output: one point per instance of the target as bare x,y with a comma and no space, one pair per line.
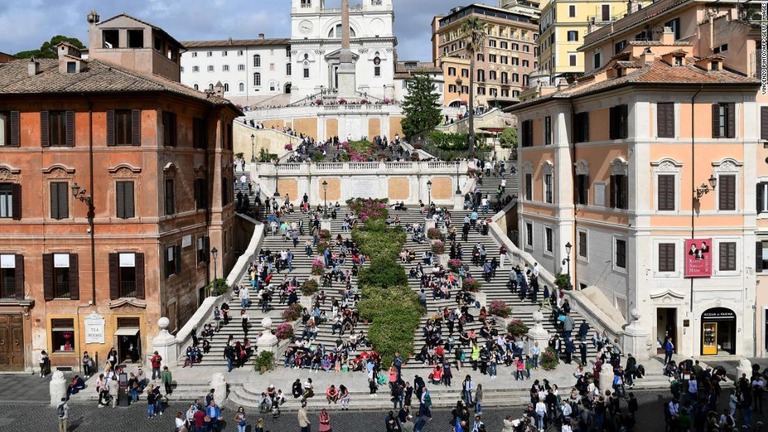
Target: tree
474,30
421,107
508,139
48,49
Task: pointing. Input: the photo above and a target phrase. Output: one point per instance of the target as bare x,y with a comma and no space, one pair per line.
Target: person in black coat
419,385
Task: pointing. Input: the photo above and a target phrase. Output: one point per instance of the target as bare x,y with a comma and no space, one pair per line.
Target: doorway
718,332
128,340
666,325
287,88
11,343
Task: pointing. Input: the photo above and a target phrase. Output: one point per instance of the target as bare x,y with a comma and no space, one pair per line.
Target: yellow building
563,27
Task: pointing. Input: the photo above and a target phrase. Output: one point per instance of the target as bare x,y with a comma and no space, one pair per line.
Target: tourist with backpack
63,412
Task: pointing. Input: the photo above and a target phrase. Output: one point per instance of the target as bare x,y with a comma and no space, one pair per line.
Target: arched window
241,87
336,32
196,87
210,86
226,87
256,60
256,79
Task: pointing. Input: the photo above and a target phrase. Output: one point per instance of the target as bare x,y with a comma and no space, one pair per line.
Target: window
195,68
126,275
727,256
573,36
618,122
620,254
481,75
225,68
110,39
515,61
451,71
526,63
199,133
72,67
665,120
256,60
762,198
170,201
503,45
724,120
124,197
666,257
481,91
63,335
492,43
57,128
571,11
377,71
571,59
240,52
529,234
515,47
306,72
581,127
597,59
582,189
583,246
763,124
726,192
504,78
60,276
605,13
194,54
288,69
525,80
9,128
619,191
526,129
226,87
526,48
548,192
515,77
528,186
123,127
59,200
548,239
257,79
619,46
452,88
201,194
169,129
465,73
172,260
504,60
666,184
10,201
547,130
675,26
202,249
241,67
209,54
241,87
12,276
480,57
224,53
210,68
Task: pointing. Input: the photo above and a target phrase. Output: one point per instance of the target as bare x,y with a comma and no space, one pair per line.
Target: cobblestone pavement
88,418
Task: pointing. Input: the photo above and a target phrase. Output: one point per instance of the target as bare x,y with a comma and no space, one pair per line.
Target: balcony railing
61,289
127,288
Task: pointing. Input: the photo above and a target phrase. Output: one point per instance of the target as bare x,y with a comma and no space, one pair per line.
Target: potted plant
284,331
499,308
292,313
318,101
549,360
265,361
455,264
318,267
517,327
289,147
434,234
309,287
561,280
471,284
438,247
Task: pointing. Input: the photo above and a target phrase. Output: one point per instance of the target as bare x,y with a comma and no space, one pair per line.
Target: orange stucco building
115,183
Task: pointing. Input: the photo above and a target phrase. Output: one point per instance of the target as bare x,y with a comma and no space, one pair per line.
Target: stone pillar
57,388
538,333
219,386
481,298
636,338
267,341
606,378
745,367
165,343
325,223
429,223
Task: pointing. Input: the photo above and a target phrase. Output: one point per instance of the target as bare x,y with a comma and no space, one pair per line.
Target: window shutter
136,127
613,192
120,194
759,256
15,129
612,123
114,279
666,192
764,123
715,120
130,207
54,201
759,196
624,191
19,277
177,260
665,126
48,276
727,192
45,133
16,193
74,278
111,127
140,276
70,116
730,114
624,113
585,130
59,200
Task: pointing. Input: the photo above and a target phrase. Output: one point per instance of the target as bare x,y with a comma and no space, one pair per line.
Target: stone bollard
58,388
165,343
745,367
267,341
219,386
606,378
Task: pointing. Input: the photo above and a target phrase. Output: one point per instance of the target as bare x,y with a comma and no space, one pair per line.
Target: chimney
667,36
218,89
562,83
33,67
93,17
261,36
647,56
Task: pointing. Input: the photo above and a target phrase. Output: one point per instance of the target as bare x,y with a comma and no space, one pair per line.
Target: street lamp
277,180
81,194
458,187
325,197
215,255
253,148
704,188
567,262
429,192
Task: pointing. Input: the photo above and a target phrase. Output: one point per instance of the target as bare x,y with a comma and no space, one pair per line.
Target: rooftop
405,68
235,43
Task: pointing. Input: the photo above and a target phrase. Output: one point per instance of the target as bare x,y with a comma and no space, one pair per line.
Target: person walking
45,364
63,412
240,419
167,380
304,423
244,321
150,403
669,348
325,421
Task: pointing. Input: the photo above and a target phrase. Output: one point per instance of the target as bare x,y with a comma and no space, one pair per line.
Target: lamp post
215,255
81,194
704,188
325,198
277,180
253,148
458,187
567,263
429,192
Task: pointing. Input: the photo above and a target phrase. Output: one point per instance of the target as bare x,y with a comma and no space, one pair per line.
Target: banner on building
698,258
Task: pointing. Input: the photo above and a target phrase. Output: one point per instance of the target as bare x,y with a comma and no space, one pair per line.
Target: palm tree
474,30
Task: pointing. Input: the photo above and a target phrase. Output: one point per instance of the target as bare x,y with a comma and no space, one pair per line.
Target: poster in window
698,258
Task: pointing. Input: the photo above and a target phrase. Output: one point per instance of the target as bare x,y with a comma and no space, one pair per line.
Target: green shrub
549,360
324,234
318,156
434,234
322,245
379,241
293,312
265,361
517,328
219,286
309,287
471,284
394,314
383,273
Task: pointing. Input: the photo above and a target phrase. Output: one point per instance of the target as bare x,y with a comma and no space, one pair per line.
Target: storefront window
718,332
63,335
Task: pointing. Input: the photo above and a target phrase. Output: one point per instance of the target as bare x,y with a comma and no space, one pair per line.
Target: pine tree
421,107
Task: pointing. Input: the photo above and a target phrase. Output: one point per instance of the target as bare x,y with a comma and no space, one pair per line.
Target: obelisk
346,71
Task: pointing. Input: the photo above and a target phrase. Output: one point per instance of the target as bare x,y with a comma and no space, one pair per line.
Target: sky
25,25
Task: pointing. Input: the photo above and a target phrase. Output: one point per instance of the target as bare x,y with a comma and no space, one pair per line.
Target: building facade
115,182
503,66
650,167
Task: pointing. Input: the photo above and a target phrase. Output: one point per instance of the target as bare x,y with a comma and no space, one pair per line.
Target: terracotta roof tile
234,43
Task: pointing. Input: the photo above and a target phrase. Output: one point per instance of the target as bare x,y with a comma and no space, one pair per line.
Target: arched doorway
718,331
288,88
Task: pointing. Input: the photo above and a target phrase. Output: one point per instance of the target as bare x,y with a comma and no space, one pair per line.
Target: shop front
718,332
